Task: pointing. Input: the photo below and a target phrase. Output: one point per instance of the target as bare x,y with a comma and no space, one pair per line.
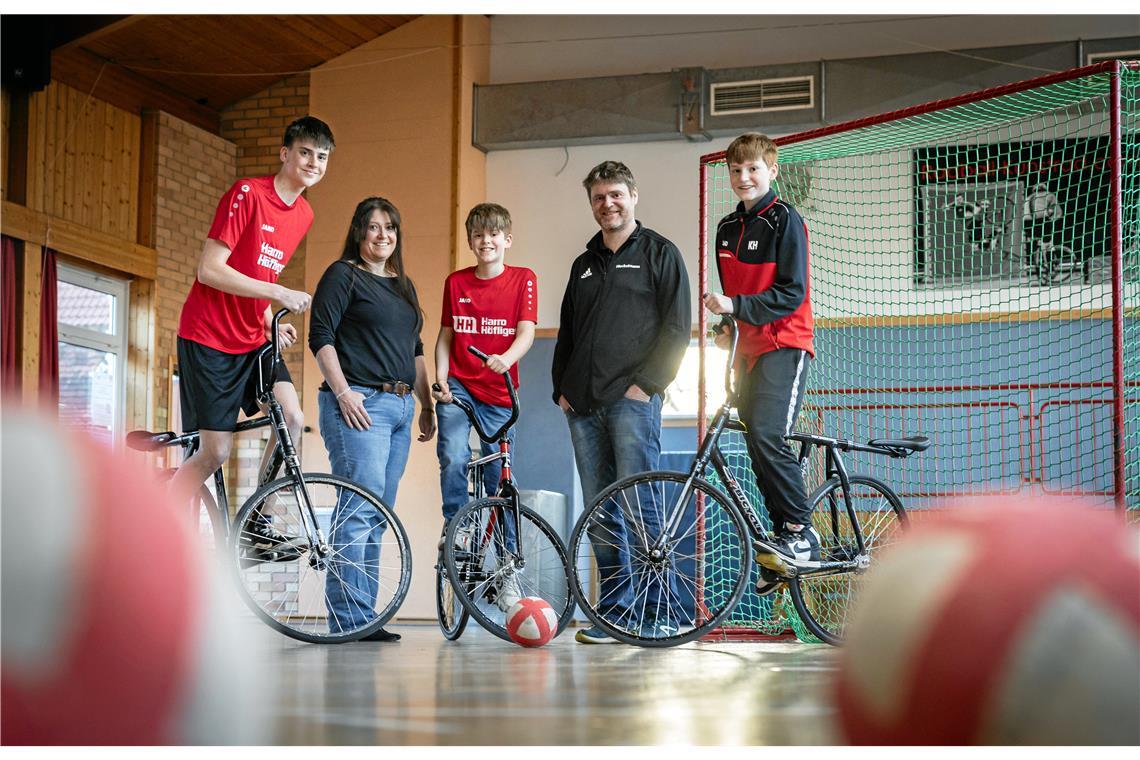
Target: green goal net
975,276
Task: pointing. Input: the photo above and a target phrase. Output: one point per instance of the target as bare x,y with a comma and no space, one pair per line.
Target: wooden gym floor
481,690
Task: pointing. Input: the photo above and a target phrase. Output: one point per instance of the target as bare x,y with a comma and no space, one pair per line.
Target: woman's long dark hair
356,234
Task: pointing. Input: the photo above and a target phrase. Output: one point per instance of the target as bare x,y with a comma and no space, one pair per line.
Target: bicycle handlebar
265,389
498,434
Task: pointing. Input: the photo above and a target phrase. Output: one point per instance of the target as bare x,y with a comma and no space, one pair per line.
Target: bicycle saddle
144,440
913,443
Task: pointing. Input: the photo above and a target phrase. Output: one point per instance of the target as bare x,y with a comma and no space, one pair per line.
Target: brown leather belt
399,388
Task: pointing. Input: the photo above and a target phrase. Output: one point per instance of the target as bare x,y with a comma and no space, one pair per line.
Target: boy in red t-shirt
493,307
227,315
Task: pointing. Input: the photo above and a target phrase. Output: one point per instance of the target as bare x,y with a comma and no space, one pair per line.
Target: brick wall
194,169
255,126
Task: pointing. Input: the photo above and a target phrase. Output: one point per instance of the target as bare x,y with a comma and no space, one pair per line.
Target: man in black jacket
624,328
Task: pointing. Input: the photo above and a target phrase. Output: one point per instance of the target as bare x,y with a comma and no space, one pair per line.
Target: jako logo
268,228
465,324
464,300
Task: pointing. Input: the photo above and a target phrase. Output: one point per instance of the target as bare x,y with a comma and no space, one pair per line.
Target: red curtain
10,368
49,334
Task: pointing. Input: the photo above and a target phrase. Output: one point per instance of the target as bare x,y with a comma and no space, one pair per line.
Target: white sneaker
508,593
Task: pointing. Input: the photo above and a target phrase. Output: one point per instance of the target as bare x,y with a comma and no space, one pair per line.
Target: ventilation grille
759,95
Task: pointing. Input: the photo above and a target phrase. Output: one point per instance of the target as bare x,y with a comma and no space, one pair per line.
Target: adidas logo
586,274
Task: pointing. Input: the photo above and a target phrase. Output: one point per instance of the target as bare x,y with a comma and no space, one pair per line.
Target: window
92,314
683,393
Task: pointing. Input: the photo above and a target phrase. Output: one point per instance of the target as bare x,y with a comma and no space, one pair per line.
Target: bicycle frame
285,446
284,451
709,453
507,489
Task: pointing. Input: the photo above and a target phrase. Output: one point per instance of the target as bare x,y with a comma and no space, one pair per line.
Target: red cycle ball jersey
261,232
486,314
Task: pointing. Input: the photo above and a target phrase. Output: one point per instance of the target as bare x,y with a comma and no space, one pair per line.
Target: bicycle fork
313,534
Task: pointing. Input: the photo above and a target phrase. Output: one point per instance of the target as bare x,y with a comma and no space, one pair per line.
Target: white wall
552,218
536,48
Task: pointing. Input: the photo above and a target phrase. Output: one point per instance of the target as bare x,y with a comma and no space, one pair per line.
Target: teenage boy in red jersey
762,258
492,307
227,316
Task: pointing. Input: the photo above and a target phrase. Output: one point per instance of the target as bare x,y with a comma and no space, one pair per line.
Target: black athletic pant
770,396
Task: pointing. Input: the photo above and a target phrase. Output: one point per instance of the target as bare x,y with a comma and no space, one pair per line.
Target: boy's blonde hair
751,146
489,216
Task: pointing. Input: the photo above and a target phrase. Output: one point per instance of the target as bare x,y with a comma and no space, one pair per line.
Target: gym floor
480,690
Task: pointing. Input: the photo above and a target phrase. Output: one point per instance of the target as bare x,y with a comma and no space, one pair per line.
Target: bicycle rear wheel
338,592
481,566
449,610
642,595
823,601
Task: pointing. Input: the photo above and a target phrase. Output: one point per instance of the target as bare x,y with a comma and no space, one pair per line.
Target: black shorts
214,386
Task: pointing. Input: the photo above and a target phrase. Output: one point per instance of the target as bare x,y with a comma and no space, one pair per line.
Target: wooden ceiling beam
120,87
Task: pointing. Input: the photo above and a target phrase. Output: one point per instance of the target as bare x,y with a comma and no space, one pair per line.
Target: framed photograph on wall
1017,213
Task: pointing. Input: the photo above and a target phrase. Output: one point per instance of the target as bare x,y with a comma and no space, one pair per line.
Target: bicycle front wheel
450,612
489,568
656,565
333,581
823,601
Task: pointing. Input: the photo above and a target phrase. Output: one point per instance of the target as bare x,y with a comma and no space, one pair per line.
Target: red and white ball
1000,622
115,628
531,622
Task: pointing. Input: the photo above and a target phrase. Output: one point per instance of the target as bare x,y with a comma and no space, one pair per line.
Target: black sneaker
262,542
381,635
800,544
769,582
259,533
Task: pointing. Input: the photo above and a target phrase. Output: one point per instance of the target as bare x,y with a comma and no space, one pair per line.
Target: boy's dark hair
489,216
752,146
358,229
312,129
609,171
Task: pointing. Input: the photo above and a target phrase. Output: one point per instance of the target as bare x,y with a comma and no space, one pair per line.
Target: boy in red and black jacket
762,258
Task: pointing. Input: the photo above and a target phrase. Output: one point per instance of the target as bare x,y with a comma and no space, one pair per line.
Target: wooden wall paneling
37,119
109,141
31,275
93,126
140,375
129,173
146,226
59,155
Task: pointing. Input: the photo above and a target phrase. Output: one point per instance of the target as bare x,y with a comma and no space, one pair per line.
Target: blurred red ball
999,623
114,628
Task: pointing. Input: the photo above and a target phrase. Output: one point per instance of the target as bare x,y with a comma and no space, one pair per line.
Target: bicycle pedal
776,564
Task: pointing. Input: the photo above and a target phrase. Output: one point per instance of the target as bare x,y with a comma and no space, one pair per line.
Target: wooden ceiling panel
209,62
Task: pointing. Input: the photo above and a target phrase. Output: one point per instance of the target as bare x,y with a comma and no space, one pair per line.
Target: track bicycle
685,546
280,544
497,548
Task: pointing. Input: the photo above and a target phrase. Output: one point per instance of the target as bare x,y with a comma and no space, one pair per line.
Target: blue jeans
612,443
374,458
454,450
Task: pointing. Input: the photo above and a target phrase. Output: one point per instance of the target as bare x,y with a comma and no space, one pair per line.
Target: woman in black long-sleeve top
365,334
